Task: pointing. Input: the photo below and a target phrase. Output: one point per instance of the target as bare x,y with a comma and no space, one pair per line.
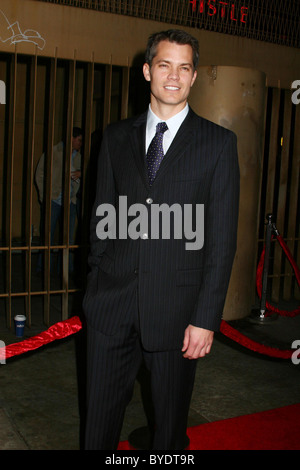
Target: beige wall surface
69,32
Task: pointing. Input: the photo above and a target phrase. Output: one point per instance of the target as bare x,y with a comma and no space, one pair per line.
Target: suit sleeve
105,194
220,240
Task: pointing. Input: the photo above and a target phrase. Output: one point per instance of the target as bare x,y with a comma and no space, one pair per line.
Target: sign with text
220,9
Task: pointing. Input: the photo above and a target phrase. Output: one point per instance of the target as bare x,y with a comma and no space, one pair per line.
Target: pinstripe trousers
112,366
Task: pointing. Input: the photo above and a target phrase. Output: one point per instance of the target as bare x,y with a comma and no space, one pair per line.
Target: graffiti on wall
11,33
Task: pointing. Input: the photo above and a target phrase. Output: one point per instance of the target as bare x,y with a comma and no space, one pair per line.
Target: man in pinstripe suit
156,298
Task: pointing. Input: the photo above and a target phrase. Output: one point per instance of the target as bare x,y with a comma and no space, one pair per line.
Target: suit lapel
181,141
137,142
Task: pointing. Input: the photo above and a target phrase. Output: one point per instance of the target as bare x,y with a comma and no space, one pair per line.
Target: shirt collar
173,123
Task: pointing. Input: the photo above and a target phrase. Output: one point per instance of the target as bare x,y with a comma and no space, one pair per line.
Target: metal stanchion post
262,319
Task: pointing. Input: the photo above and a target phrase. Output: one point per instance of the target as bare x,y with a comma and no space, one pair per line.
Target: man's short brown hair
172,35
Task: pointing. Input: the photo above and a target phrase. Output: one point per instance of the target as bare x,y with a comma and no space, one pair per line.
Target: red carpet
277,429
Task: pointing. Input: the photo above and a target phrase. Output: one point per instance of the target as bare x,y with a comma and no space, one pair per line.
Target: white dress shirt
173,125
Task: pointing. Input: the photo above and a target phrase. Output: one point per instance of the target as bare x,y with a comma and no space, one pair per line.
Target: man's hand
197,342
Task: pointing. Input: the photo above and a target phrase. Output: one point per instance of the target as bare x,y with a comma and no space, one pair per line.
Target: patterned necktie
155,152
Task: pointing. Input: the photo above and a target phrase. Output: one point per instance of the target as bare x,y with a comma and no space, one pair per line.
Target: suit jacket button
149,200
145,236
136,271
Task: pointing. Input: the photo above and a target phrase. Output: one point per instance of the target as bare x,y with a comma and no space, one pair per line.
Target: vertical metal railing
281,189
9,181
292,224
66,196
25,245
125,92
107,95
47,196
29,182
88,127
283,186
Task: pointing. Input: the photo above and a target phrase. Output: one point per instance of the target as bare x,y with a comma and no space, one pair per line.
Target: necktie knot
161,127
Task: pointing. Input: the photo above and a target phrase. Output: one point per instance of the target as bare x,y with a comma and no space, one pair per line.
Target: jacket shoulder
125,124
214,128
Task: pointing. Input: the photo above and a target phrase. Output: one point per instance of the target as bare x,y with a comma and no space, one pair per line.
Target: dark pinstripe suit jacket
169,285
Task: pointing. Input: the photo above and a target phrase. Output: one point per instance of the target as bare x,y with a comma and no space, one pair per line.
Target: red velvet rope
58,331
260,267
248,343
73,325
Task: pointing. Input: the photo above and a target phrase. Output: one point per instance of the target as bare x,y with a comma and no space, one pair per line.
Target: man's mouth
172,88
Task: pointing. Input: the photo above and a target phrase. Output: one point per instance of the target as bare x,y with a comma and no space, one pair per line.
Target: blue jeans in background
56,218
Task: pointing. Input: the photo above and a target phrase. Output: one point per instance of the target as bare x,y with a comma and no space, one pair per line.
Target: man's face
171,77
77,143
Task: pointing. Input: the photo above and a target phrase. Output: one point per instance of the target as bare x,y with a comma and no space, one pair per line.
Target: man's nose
173,74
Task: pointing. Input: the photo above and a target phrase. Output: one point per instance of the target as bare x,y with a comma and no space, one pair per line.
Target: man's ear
146,72
194,78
